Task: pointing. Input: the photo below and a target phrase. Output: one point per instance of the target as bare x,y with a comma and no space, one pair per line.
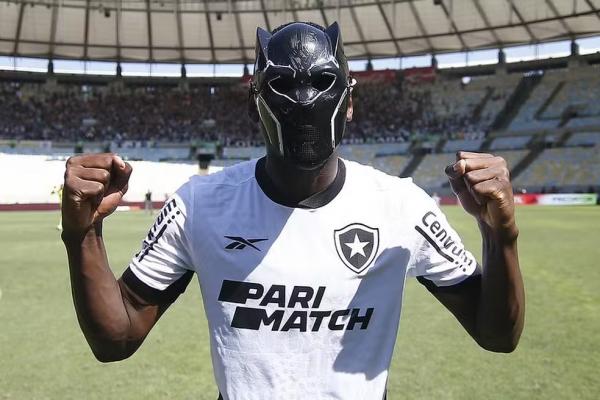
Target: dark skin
115,321
306,181
492,309
300,183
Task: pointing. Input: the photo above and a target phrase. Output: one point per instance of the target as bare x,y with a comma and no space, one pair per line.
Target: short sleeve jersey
301,302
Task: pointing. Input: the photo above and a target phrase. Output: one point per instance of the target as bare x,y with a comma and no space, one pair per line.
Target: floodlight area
513,54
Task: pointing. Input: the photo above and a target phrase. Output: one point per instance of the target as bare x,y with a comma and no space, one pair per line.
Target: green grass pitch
43,355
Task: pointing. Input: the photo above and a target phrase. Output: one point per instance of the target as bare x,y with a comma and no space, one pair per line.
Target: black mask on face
301,89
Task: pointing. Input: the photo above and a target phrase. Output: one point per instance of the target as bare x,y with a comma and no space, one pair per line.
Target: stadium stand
430,172
401,126
510,142
585,122
360,153
71,112
527,119
562,97
392,165
426,111
453,102
584,139
500,88
563,167
446,108
417,112
577,94
464,144
365,153
389,149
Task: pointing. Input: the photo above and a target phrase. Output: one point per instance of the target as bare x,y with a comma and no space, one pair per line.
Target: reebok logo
239,243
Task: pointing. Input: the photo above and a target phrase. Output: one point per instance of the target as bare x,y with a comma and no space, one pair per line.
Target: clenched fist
482,184
94,186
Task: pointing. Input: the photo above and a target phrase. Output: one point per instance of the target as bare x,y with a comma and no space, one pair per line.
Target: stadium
165,85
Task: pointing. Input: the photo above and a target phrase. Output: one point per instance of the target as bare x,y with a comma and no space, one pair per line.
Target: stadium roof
223,31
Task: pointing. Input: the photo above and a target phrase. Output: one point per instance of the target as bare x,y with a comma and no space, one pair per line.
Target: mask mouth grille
307,145
307,133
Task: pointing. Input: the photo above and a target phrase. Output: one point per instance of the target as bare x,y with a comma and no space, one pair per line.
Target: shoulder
229,176
206,190
408,201
227,179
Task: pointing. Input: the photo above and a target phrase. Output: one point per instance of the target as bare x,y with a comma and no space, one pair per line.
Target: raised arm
113,318
491,307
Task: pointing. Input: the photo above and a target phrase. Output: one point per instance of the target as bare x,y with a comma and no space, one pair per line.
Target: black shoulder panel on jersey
155,296
470,281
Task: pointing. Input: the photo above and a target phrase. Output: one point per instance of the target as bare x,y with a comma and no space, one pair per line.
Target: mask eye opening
323,81
281,84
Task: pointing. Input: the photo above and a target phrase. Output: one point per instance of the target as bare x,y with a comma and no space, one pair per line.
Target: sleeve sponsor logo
439,237
167,215
298,308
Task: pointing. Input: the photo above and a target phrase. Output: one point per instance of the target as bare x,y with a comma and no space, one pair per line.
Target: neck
298,184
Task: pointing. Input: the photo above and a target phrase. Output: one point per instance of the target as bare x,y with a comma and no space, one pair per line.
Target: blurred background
165,85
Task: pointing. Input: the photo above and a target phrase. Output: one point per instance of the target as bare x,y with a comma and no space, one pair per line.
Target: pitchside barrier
29,182
538,199
557,199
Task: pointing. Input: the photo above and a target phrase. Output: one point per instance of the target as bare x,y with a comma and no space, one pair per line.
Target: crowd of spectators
154,113
402,112
383,111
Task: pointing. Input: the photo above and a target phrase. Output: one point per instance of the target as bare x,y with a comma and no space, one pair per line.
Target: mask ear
262,42
333,31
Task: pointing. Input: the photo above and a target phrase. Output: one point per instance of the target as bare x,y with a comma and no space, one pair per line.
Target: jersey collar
315,201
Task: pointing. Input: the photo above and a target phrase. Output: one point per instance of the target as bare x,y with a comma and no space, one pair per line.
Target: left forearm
501,310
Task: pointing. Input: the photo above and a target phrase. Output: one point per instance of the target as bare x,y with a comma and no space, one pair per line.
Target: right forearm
99,304
113,318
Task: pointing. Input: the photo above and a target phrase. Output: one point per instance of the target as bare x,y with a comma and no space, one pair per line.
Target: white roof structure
223,31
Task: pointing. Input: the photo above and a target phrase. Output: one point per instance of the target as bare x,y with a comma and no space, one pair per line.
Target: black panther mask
301,88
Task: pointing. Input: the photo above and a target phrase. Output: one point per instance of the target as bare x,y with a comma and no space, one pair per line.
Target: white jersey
302,303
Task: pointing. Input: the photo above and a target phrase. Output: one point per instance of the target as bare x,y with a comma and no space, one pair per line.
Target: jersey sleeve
439,258
162,269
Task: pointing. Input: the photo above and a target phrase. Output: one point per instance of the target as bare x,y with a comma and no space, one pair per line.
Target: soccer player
58,191
301,256
148,202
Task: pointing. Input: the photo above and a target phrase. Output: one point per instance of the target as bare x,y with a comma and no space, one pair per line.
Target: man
148,202
301,256
58,191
